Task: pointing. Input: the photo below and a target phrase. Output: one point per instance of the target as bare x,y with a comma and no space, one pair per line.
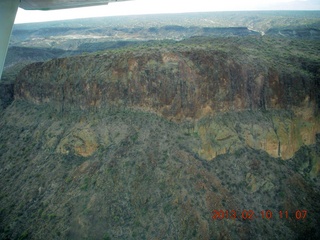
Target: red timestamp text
264,214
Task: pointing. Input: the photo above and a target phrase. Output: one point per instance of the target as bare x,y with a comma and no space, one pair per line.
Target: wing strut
8,10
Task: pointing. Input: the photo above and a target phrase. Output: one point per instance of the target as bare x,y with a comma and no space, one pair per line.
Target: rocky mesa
195,81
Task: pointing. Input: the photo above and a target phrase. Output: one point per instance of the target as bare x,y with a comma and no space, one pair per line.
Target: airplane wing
60,4
8,11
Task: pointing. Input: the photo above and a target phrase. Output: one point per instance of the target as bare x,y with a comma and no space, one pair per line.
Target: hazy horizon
149,14
145,7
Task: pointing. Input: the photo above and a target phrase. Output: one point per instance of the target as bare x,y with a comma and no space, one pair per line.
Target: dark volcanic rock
175,83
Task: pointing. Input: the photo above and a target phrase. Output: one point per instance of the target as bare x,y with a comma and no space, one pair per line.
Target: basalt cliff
194,83
192,140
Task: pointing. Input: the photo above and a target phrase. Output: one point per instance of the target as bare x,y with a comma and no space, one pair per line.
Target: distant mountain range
43,41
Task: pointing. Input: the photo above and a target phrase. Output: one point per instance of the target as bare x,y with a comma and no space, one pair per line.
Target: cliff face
279,133
188,84
175,84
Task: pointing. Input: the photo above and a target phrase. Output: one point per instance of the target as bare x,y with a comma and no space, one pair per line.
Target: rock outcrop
176,84
173,83
279,133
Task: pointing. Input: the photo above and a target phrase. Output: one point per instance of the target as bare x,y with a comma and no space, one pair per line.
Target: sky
137,7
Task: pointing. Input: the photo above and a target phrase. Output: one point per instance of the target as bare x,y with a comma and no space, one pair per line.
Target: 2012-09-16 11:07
264,214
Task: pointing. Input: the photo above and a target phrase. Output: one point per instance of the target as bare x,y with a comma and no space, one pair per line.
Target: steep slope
151,143
124,174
